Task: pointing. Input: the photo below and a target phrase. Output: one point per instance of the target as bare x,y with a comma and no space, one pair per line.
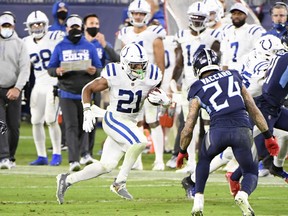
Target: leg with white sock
39,137
158,141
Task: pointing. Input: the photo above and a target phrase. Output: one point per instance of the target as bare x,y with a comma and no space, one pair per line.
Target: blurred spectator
105,53
75,62
60,12
14,73
279,13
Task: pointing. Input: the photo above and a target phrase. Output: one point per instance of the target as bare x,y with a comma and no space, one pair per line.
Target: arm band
267,134
183,151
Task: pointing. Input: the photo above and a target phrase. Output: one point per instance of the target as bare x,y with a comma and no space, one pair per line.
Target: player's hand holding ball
157,96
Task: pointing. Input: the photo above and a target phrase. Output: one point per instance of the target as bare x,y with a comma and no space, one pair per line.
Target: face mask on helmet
134,61
198,16
284,41
6,32
37,24
216,11
205,60
139,6
267,46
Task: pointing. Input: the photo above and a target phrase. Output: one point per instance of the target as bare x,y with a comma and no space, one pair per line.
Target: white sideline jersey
127,96
170,60
253,72
144,38
40,54
190,44
237,42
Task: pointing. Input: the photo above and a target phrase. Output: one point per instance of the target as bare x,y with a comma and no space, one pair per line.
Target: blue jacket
56,25
66,51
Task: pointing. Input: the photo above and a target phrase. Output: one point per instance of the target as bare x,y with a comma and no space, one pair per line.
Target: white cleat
188,169
241,199
198,205
158,166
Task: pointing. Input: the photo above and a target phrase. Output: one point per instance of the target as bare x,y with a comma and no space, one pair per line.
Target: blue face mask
279,26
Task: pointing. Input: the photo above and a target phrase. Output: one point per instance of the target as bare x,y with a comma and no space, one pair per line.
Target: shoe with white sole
198,205
86,160
158,166
241,200
121,190
62,186
74,166
5,164
188,169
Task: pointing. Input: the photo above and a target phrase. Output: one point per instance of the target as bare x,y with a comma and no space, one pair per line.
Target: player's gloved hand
3,127
89,118
159,97
272,146
180,158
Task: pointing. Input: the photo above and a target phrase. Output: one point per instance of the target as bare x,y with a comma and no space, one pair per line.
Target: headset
278,5
9,13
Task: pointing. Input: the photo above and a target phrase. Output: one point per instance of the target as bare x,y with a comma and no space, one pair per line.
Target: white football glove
89,119
159,98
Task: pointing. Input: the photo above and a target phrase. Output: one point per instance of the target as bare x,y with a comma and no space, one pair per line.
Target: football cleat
189,187
172,162
56,160
198,205
62,186
86,160
158,166
74,166
262,172
5,164
234,186
279,172
121,190
40,161
241,200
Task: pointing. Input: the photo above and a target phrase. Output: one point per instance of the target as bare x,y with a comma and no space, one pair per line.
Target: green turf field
27,190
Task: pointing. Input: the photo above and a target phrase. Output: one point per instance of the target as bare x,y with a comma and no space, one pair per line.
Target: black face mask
74,35
92,31
62,15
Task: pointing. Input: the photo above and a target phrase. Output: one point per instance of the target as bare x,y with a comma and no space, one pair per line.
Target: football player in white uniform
150,37
238,38
44,104
190,40
129,82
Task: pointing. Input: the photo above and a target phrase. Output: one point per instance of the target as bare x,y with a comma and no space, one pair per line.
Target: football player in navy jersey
270,102
223,96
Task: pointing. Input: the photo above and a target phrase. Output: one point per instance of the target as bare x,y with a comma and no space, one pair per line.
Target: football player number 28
129,98
233,90
41,59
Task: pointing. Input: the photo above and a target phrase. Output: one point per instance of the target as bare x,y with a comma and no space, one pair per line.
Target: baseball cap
7,18
74,20
240,7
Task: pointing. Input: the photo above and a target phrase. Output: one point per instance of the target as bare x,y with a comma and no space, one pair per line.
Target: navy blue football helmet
205,60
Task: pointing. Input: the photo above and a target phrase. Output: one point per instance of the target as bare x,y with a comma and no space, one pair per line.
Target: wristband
86,106
267,134
183,151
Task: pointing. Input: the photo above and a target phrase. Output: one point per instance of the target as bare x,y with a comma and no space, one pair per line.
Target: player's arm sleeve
24,66
113,55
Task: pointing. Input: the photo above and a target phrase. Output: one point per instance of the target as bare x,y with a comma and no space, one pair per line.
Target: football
150,91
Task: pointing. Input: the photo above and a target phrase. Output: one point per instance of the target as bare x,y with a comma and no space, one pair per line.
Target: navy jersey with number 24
220,95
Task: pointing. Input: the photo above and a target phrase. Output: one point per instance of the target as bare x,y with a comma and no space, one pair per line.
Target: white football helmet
216,11
267,46
134,60
140,6
198,16
37,24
